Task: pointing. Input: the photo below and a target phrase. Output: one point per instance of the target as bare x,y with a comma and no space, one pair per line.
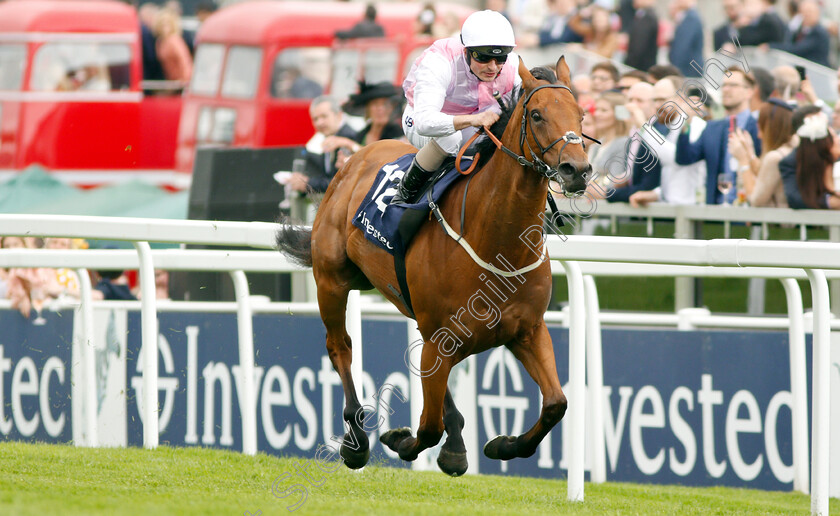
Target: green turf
40,479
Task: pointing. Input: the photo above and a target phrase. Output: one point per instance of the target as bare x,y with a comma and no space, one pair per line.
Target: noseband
536,163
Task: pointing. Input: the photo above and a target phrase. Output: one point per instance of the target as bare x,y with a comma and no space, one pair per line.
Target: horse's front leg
452,458
431,419
537,355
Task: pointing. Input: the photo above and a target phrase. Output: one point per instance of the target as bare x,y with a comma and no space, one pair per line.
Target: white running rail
813,258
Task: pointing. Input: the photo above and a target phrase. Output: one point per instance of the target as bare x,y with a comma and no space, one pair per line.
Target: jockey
450,91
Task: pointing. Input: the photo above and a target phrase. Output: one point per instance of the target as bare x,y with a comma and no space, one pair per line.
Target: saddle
392,228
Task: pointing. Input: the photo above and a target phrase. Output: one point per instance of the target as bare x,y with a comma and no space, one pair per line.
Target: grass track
39,479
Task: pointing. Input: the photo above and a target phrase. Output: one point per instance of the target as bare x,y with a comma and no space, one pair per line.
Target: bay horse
507,198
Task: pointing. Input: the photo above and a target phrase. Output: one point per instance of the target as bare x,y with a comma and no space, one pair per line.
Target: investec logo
218,381
500,363
166,384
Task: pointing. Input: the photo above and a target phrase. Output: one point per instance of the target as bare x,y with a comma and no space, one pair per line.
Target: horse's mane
485,146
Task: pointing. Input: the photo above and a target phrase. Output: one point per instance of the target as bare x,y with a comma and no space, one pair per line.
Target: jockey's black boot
411,183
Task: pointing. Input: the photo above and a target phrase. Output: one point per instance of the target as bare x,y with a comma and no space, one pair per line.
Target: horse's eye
535,116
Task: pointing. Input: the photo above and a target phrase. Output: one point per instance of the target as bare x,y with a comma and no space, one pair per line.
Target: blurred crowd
768,140
30,290
752,146
634,31
662,136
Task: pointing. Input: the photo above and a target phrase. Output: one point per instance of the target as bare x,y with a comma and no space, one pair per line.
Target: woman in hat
377,103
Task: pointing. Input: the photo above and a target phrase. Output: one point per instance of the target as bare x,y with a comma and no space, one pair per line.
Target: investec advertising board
694,408
35,377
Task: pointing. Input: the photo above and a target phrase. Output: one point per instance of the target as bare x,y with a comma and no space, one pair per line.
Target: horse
507,198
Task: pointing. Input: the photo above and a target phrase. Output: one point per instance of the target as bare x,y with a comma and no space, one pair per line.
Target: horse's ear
528,80
564,76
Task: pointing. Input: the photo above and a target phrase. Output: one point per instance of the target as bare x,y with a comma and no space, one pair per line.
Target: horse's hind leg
537,355
332,302
452,459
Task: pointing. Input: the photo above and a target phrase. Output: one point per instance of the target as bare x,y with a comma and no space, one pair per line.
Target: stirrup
411,184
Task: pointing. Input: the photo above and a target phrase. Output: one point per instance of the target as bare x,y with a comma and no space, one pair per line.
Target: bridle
536,163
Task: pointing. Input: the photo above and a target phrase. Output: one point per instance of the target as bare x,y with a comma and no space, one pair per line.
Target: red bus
71,98
259,64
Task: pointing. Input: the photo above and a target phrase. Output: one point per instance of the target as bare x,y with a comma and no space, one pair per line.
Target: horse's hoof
502,447
453,464
354,459
393,438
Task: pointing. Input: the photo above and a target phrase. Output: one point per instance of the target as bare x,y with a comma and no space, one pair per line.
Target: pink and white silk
440,86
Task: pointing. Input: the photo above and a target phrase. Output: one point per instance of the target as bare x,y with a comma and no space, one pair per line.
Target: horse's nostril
567,169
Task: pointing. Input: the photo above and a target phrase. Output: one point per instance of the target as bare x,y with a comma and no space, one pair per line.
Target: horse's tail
295,242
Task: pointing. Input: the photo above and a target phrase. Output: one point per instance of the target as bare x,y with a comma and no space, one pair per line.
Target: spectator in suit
367,28
724,33
760,23
679,183
329,124
640,159
643,34
811,41
687,43
737,89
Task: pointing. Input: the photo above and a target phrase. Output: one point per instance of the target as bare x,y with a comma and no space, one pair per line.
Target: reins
536,164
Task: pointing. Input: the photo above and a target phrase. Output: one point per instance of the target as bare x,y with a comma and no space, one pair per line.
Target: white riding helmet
487,29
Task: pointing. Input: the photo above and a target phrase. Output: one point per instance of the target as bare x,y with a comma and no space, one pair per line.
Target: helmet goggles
486,54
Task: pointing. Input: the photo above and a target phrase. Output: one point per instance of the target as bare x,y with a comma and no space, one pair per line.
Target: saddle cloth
380,221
